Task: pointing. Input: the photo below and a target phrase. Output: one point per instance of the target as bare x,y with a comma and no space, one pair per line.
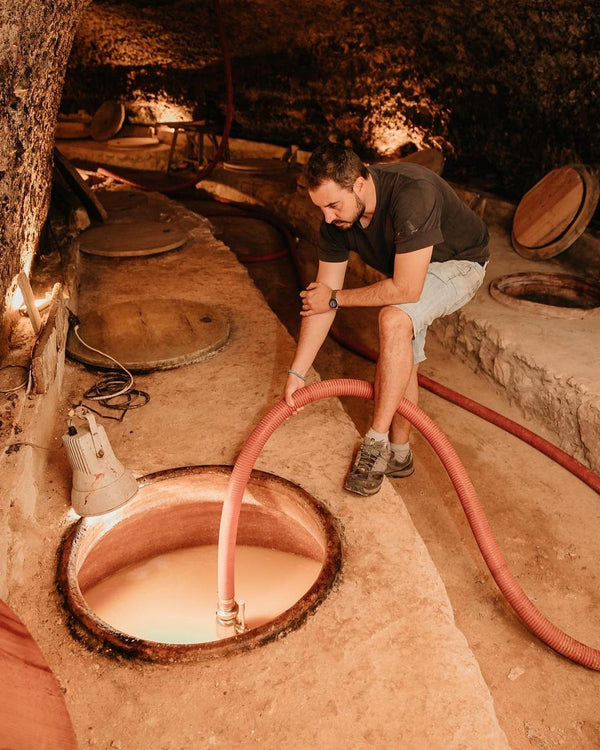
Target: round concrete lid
72,129
149,334
131,240
132,142
256,165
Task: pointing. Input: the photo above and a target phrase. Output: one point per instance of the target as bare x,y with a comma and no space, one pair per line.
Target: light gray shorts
448,286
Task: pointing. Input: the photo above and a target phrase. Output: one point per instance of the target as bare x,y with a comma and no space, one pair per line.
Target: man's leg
448,286
400,429
393,376
400,463
394,365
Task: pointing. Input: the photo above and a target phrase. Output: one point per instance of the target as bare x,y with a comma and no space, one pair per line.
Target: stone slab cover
149,334
133,239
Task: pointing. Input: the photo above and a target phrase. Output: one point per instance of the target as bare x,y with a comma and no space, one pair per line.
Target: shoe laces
367,455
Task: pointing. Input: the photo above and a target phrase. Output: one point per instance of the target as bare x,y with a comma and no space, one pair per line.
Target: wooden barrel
555,212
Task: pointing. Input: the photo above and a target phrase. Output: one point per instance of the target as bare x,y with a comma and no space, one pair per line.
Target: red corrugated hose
532,618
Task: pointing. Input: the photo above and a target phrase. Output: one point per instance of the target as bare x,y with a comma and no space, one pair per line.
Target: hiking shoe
397,469
368,470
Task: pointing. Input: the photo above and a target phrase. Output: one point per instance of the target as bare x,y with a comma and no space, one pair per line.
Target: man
407,222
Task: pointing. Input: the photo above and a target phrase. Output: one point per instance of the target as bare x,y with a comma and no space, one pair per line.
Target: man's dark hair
332,161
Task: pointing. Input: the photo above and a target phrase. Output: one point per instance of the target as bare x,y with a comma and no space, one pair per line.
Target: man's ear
359,185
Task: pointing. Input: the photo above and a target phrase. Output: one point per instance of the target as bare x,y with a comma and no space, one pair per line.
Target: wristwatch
333,303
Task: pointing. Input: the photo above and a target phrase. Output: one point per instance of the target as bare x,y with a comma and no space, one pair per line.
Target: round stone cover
148,334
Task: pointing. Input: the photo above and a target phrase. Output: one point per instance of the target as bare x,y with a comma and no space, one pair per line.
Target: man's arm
406,285
314,329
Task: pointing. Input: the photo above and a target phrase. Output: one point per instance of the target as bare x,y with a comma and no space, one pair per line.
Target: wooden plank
49,348
93,206
69,203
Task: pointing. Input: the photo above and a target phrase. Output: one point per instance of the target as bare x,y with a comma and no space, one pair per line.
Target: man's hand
292,384
315,299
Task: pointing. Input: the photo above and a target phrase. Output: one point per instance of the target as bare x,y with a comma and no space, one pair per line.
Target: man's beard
360,209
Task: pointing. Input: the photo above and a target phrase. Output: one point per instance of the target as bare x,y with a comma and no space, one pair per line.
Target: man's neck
370,201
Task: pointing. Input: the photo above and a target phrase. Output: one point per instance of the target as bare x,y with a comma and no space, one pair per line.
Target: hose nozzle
230,614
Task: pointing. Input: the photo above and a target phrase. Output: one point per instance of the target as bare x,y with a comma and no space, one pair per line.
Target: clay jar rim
501,287
100,637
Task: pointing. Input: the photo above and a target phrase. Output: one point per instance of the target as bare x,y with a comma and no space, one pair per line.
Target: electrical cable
105,391
14,447
24,384
117,384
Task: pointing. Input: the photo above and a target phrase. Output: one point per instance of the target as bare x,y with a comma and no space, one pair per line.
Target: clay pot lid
108,119
555,212
149,334
133,142
136,238
33,712
256,165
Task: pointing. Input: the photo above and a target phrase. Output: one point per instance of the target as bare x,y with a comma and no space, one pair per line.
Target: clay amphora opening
180,509
557,295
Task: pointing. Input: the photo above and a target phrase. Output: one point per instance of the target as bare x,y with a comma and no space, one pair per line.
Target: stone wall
35,42
505,89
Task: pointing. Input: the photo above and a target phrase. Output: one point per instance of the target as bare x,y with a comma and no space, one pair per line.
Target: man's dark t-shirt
415,208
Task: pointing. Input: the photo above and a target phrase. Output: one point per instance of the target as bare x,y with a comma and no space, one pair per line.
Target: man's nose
329,215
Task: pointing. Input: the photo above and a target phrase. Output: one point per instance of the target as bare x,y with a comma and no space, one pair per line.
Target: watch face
333,303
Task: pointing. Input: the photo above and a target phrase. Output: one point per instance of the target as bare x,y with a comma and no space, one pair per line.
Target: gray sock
400,450
380,437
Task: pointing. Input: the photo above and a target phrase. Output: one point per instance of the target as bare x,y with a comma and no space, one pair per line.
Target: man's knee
395,322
